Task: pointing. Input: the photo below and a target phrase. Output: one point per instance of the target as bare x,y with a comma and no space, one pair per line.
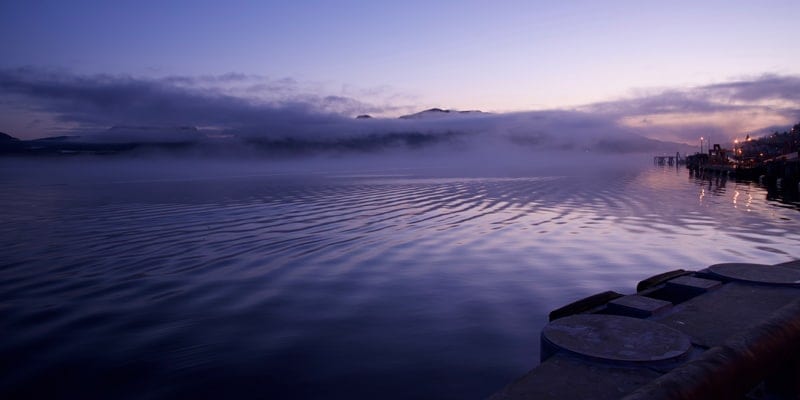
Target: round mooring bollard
757,273
615,339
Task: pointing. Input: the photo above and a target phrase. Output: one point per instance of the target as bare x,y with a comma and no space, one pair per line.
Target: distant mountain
438,113
7,138
10,144
364,116
147,134
115,140
188,139
363,144
151,128
54,139
637,144
616,145
119,140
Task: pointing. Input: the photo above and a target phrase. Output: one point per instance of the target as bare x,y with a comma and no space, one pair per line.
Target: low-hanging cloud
107,100
768,87
723,110
251,106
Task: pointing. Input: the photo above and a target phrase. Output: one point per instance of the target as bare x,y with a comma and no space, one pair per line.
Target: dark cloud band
252,105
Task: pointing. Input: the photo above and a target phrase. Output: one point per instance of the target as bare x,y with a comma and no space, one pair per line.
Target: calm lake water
387,284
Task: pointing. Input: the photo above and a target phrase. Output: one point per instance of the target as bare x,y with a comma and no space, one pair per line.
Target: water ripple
266,285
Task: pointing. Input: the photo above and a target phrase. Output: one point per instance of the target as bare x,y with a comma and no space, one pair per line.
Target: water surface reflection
398,285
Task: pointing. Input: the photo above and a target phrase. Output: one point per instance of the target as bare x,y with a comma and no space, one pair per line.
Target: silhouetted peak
143,128
439,112
364,116
54,139
7,138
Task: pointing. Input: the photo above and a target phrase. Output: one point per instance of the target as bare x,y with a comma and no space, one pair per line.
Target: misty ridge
239,115
551,132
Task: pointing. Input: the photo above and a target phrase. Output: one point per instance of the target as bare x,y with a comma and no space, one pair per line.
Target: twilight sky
671,69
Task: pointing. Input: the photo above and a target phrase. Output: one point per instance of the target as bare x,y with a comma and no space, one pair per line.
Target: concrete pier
727,331
782,172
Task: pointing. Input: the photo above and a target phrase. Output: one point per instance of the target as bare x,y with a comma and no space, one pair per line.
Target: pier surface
728,331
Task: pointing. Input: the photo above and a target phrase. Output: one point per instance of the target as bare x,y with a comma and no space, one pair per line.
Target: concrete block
637,306
693,284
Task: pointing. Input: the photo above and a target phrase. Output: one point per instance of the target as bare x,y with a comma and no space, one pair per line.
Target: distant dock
729,331
782,171
669,160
